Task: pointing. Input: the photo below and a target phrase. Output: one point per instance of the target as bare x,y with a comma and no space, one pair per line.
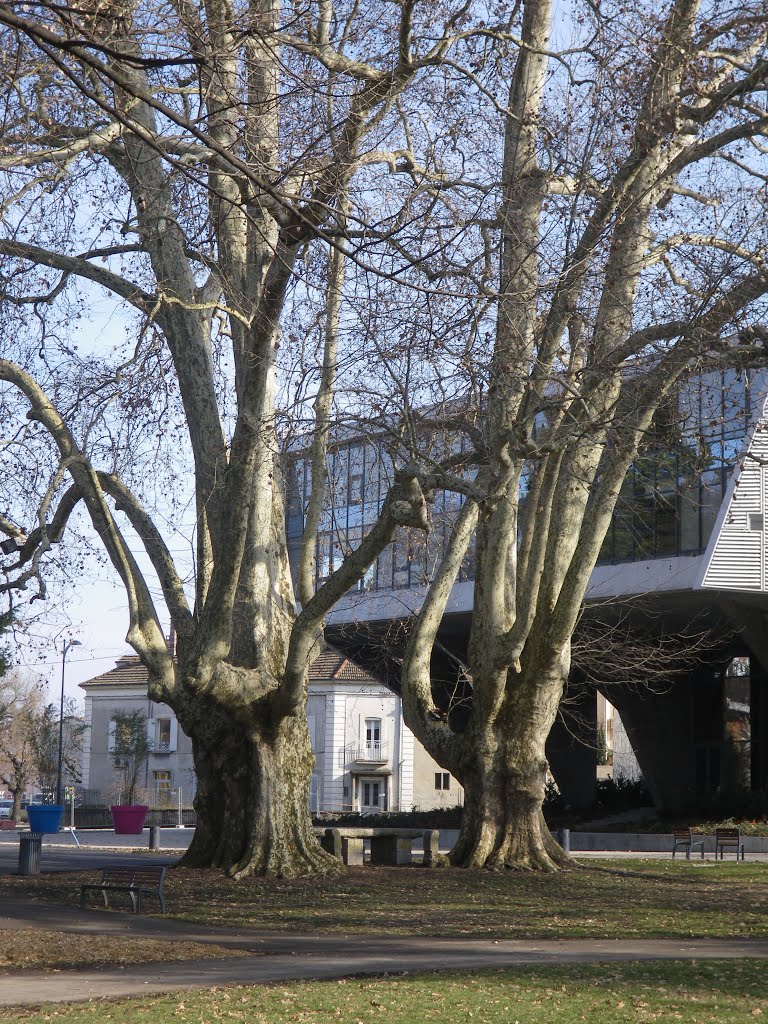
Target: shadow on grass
606,901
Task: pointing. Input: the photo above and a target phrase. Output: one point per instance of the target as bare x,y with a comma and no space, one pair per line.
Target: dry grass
633,899
36,948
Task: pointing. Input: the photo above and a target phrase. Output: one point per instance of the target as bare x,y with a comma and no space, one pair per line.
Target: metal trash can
154,837
30,845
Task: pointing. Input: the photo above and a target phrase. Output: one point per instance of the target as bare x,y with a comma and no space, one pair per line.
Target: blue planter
45,817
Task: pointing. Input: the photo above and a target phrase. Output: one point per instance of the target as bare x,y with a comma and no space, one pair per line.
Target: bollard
30,845
154,837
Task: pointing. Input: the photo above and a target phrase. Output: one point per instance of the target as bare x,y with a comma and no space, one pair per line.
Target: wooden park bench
136,881
728,839
683,837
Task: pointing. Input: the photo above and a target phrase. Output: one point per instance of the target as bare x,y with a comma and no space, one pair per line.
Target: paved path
284,957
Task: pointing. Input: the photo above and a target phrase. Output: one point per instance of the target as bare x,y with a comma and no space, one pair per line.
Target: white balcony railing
373,753
368,753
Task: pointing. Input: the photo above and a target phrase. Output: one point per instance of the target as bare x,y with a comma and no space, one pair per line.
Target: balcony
372,753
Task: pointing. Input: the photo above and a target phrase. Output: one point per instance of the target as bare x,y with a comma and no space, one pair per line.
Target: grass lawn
717,991
630,899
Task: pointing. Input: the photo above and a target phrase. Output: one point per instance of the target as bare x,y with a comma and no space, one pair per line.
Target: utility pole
65,648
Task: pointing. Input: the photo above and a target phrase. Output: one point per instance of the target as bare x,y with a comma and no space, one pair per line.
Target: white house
169,767
367,759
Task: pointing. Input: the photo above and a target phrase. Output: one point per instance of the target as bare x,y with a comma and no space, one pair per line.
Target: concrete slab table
389,846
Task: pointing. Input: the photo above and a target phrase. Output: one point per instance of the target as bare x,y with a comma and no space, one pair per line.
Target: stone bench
389,846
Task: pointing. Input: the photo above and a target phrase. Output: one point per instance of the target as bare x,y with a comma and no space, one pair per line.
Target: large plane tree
411,221
632,216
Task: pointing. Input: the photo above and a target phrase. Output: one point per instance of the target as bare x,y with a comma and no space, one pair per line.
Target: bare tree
131,749
21,704
42,732
183,160
528,243
612,291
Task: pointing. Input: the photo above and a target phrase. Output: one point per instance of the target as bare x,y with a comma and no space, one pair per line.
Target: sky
98,618
94,610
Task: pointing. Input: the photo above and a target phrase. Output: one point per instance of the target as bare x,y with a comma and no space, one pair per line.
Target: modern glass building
667,506
688,544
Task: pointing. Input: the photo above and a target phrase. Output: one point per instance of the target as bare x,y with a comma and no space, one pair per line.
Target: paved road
55,858
284,957
60,853
170,839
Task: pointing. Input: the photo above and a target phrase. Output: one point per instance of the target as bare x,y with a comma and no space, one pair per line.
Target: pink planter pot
129,818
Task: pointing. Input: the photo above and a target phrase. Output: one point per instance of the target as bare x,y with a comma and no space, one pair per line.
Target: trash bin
154,837
30,845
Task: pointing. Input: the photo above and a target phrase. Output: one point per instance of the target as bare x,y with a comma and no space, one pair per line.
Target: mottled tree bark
504,771
252,807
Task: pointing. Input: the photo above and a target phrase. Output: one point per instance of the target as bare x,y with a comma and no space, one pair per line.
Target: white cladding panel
736,555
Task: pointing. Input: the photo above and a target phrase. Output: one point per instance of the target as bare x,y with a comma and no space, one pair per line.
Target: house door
371,795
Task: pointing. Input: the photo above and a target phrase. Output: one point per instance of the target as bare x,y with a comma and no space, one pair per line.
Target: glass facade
671,495
667,505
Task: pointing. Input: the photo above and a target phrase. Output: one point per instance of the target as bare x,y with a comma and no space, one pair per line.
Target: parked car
5,808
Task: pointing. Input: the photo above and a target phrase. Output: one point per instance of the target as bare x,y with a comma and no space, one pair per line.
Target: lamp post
66,646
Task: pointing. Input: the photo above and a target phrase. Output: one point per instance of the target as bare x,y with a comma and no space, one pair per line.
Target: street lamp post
66,646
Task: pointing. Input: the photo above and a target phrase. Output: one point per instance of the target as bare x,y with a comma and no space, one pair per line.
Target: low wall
628,842
100,817
652,842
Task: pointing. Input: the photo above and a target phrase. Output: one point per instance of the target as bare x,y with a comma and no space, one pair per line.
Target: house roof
329,665
128,671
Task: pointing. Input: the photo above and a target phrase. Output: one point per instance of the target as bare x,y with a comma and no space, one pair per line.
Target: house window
756,522
163,732
355,488
163,780
442,780
373,737
123,734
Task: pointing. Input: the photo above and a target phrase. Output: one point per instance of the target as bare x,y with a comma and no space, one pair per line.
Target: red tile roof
331,664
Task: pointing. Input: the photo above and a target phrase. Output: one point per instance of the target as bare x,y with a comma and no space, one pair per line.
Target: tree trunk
17,795
502,822
253,816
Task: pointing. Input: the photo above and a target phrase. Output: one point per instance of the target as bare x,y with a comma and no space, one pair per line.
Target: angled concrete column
677,734
759,714
572,749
